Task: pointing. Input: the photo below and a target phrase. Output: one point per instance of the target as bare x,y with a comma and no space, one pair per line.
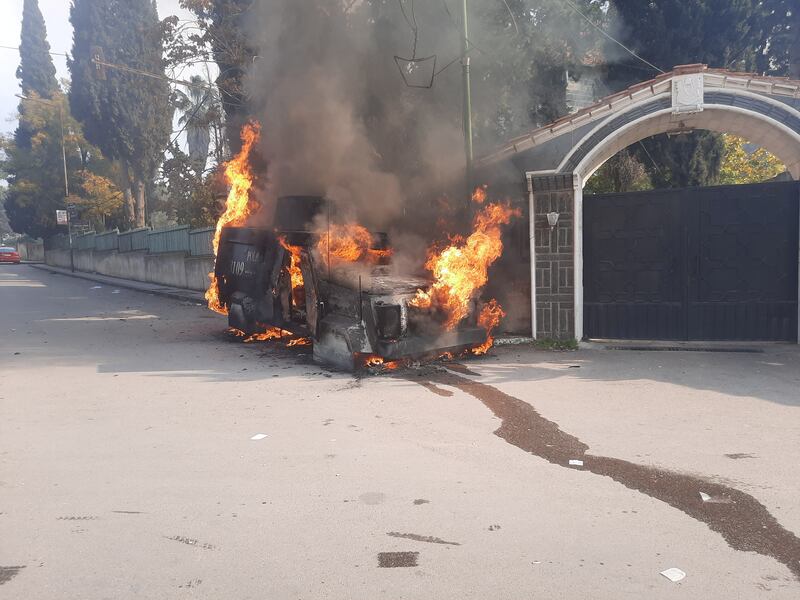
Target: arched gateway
558,159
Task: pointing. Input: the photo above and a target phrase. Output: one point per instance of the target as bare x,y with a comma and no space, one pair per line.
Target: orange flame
345,243
295,272
461,270
374,361
480,194
238,206
490,317
272,333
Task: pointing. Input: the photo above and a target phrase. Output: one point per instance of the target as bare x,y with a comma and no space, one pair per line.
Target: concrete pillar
554,251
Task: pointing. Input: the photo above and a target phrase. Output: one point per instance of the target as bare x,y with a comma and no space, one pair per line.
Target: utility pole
64,160
467,96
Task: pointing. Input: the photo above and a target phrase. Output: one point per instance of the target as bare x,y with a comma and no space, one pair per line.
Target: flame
344,243
490,317
272,333
375,361
295,272
480,194
460,271
238,206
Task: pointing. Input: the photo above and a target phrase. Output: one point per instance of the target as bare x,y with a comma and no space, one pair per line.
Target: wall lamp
552,219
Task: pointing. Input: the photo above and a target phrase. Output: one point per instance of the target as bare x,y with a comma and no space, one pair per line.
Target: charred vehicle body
353,312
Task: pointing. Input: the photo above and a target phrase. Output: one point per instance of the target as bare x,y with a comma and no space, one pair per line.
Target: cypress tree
36,71
125,111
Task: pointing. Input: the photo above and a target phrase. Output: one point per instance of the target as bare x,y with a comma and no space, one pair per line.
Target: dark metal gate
716,263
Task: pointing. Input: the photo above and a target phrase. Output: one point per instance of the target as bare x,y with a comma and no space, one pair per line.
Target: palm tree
200,113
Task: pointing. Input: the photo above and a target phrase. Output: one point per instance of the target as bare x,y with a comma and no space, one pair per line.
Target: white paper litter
115,292
673,574
97,287
705,496
576,463
259,436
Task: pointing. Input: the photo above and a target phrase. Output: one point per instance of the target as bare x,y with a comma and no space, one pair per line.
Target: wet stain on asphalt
8,573
743,522
191,542
127,512
419,501
76,518
740,456
421,538
394,560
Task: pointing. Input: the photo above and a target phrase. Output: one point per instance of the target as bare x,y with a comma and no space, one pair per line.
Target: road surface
128,468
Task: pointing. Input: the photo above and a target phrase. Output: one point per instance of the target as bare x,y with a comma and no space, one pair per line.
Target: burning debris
306,280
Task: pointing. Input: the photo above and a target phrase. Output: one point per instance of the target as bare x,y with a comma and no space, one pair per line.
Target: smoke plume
338,118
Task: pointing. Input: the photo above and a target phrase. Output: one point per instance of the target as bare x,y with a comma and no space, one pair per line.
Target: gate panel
701,264
634,265
743,284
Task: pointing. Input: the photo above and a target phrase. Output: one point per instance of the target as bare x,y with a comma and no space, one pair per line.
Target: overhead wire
16,49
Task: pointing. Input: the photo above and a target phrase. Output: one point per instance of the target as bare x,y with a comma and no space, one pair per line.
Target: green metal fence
201,241
196,242
105,242
84,242
173,239
135,239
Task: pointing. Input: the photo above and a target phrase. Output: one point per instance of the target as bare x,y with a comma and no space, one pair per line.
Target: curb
136,286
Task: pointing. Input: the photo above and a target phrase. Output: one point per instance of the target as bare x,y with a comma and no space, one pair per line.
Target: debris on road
421,538
576,463
673,574
258,437
115,292
97,287
393,560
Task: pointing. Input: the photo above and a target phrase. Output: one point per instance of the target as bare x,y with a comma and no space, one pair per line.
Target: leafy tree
779,50
744,163
720,33
191,196
125,113
685,160
35,172
98,200
5,226
622,173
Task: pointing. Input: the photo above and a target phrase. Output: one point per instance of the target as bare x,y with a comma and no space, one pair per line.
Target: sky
59,34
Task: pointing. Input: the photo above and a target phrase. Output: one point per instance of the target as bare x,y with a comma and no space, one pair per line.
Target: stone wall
555,256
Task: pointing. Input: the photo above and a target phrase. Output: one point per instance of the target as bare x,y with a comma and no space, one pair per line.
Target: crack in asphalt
743,522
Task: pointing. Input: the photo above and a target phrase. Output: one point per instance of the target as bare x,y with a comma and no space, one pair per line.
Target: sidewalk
139,286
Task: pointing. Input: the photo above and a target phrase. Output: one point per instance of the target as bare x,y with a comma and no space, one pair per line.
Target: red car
9,255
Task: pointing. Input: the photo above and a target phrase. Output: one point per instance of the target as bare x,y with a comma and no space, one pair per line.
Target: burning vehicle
332,284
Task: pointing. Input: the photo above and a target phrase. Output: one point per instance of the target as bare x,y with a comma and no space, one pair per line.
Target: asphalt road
127,468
